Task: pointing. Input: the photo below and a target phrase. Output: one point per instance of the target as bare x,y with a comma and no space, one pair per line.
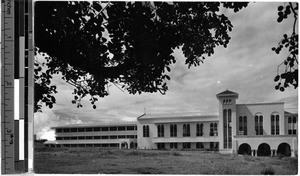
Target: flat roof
253,104
176,116
133,123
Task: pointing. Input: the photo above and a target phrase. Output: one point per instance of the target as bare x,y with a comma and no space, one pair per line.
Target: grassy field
114,161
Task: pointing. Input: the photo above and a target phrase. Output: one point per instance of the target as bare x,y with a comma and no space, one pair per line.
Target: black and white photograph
165,87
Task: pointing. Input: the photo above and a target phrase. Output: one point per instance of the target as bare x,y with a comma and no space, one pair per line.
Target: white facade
256,129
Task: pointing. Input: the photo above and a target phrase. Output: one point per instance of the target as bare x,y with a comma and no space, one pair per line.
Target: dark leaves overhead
125,43
287,71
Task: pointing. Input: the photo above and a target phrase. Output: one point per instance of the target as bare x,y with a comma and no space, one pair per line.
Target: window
113,128
146,131
113,145
173,146
97,137
292,125
59,138
186,145
259,124
81,137
121,136
227,129
74,138
89,137
274,124
105,137
130,128
59,130
227,101
73,129
97,129
173,130
160,130
130,136
89,129
104,129
186,130
213,129
243,125
113,137
199,145
66,130
199,129
121,128
66,138
214,145
81,129
160,146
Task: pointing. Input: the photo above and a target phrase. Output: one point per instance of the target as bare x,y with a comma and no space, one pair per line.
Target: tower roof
227,93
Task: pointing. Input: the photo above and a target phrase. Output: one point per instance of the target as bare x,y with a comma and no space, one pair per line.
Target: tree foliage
289,77
127,44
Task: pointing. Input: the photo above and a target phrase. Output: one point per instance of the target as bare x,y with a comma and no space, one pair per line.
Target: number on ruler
11,139
8,131
8,83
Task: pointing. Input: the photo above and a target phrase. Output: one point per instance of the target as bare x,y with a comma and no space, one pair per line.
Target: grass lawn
115,161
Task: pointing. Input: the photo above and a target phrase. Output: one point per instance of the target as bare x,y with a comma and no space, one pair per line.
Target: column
292,153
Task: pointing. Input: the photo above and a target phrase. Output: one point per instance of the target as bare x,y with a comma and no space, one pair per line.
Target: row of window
292,125
187,145
227,101
186,130
113,128
97,137
259,125
89,145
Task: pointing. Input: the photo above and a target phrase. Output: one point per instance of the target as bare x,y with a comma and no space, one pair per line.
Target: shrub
176,154
267,171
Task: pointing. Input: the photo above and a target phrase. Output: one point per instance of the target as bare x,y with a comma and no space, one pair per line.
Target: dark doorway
284,149
244,149
264,150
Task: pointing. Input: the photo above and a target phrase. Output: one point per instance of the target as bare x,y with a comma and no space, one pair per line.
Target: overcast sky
247,66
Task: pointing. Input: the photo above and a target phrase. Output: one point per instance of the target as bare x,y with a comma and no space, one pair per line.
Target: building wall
151,141
146,142
267,109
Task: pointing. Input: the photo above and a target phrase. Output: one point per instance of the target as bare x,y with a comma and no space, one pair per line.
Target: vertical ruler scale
7,87
29,85
16,86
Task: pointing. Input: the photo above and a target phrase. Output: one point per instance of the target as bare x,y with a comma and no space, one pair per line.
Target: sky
247,66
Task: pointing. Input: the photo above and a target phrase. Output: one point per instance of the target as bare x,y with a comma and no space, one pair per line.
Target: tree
123,43
289,77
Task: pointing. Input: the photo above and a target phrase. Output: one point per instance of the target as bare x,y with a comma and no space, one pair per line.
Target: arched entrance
124,145
244,149
264,150
284,149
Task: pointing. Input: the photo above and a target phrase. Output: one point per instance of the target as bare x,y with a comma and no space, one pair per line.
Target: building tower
227,120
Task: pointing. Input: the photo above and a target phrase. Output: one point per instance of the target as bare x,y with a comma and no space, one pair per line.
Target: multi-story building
260,129
120,135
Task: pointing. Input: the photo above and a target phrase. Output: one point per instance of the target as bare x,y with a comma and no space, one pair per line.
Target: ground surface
114,161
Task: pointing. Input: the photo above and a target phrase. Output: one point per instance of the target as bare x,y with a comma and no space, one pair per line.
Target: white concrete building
116,135
261,129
